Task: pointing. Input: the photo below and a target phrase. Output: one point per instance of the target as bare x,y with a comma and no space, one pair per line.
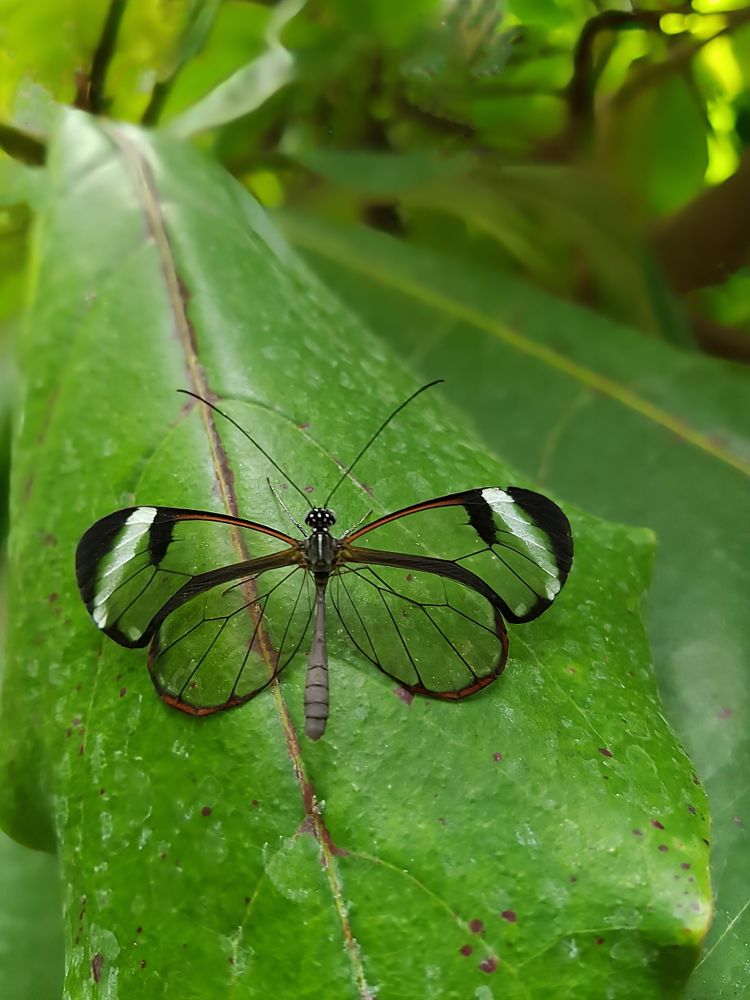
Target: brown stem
97,101
22,145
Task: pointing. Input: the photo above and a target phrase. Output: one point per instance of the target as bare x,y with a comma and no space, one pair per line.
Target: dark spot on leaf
737,821
143,963
571,670
123,692
657,825
230,960
724,713
573,878
101,791
606,777
139,930
406,696
695,906
696,779
206,810
308,489
497,756
476,926
637,833
163,856
441,820
52,597
685,865
604,751
96,967
489,965
663,848
599,941
692,809
409,577
80,748
246,900
509,915
49,539
466,950
304,426
76,720
706,841
255,804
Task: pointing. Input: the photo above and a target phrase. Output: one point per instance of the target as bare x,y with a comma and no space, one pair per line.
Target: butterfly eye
320,517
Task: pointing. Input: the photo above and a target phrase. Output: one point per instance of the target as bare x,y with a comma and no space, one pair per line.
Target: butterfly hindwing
223,647
433,635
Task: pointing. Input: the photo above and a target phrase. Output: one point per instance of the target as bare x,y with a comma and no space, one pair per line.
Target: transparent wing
225,609
516,541
433,635
135,566
223,647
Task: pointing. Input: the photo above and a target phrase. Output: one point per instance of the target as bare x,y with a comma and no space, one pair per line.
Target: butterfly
423,594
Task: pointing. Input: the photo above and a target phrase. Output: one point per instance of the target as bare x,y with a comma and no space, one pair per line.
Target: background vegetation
546,202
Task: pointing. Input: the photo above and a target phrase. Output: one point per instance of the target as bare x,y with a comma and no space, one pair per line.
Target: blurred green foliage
594,150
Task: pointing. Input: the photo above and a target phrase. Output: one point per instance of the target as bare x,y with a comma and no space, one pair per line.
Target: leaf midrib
148,196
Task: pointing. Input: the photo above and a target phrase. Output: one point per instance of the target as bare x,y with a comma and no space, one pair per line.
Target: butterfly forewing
433,635
518,542
134,565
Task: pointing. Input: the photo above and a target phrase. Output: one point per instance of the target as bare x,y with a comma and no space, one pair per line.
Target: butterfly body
225,604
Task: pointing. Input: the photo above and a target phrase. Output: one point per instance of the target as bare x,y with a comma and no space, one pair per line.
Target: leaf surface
540,836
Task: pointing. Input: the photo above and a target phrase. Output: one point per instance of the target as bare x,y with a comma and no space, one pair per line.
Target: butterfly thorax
320,547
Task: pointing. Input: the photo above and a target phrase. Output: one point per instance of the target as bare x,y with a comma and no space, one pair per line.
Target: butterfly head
320,518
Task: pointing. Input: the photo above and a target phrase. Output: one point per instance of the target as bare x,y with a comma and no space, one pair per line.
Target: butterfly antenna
377,433
252,440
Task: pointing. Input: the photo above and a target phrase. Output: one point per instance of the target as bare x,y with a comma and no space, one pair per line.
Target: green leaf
655,142
634,430
31,957
248,87
540,837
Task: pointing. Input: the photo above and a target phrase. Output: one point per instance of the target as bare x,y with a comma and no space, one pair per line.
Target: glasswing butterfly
423,593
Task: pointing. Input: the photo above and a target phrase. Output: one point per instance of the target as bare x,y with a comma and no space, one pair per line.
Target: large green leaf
632,429
543,837
30,929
